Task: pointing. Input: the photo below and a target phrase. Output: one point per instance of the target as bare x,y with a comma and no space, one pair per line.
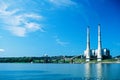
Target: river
87,71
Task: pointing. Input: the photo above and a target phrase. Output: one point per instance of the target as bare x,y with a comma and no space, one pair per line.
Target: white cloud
18,31
2,50
61,43
33,27
17,23
62,2
33,16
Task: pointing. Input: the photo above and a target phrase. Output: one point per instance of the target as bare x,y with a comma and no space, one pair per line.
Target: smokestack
88,45
99,37
99,54
88,38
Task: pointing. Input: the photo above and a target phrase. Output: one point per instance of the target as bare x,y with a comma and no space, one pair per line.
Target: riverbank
53,59
104,62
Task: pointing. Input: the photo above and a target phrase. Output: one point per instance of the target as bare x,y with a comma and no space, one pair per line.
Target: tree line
44,59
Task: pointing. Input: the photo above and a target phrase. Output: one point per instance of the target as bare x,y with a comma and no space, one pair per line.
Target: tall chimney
99,54
88,38
88,45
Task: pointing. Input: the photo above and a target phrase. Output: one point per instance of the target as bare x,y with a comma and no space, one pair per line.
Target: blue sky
57,27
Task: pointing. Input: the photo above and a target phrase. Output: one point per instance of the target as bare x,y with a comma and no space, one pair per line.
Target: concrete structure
99,50
87,51
99,53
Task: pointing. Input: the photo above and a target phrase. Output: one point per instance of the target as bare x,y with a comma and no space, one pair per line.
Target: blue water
27,71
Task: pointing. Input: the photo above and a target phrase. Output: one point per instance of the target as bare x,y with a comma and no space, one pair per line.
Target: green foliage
53,59
109,60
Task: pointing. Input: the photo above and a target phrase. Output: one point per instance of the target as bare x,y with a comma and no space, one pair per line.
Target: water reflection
88,69
99,70
93,71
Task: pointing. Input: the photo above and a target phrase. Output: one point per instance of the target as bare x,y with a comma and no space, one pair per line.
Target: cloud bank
19,23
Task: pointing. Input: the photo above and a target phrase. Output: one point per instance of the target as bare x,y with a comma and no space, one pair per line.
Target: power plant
99,53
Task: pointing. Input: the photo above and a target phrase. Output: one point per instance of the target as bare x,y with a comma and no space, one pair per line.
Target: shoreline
102,62
53,60
66,63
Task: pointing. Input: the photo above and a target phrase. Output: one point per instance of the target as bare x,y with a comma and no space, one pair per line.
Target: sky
57,27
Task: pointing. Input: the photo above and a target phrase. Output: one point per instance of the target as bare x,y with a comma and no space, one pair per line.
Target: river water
87,71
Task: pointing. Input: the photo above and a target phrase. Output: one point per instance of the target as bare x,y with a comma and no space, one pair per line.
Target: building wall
93,53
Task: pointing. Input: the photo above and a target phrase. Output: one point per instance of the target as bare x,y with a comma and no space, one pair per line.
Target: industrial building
99,53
